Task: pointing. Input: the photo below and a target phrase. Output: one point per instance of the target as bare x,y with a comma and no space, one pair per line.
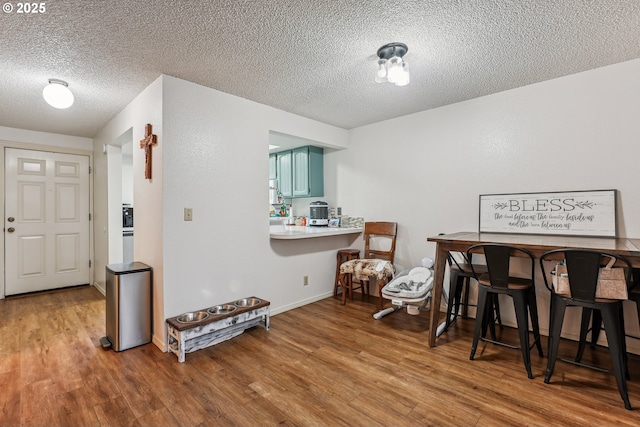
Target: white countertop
302,232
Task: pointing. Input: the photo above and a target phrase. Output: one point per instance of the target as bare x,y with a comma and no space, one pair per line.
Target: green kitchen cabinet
284,173
308,172
300,172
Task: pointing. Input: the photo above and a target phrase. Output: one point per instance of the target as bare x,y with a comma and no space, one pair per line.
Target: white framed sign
573,213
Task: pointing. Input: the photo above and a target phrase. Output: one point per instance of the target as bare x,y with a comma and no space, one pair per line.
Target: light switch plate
188,214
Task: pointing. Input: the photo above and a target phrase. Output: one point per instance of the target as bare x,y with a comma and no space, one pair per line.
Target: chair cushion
514,282
364,269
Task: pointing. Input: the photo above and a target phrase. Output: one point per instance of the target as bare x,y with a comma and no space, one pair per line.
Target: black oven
127,216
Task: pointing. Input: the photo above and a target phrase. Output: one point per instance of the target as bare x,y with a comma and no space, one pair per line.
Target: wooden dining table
536,244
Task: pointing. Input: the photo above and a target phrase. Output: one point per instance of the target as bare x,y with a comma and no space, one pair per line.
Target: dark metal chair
500,280
583,267
460,275
592,319
634,292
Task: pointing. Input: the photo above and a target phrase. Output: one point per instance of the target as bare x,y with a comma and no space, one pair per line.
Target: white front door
46,224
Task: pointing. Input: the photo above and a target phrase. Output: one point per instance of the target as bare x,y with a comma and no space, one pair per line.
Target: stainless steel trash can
128,311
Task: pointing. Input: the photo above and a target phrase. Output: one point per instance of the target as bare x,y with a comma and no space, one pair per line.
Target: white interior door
46,224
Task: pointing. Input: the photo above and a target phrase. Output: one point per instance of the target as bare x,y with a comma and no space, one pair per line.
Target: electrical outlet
305,280
188,214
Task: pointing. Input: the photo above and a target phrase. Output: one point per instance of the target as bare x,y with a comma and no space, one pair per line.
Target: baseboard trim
159,342
100,288
300,303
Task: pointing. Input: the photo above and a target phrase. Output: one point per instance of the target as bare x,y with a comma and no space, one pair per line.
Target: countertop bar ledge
292,232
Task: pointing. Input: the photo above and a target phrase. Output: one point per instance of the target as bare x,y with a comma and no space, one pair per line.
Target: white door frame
52,149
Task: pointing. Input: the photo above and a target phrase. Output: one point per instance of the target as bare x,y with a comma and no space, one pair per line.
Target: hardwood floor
320,365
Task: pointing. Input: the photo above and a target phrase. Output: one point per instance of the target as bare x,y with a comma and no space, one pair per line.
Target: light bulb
57,94
394,69
403,76
381,75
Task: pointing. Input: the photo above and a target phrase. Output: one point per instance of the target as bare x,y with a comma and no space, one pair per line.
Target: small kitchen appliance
319,213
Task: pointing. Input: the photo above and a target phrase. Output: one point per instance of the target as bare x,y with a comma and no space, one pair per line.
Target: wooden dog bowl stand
183,338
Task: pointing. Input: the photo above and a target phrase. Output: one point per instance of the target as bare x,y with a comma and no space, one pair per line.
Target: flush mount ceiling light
57,94
392,67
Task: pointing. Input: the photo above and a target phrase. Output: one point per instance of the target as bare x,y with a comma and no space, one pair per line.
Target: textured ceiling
315,58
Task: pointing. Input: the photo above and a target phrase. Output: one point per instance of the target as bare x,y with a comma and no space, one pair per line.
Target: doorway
47,225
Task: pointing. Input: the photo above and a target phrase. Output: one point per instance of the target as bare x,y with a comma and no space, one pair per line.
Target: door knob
11,219
11,229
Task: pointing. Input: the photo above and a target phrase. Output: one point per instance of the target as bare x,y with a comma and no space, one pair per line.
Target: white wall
216,151
426,170
45,138
212,156
127,179
113,202
145,108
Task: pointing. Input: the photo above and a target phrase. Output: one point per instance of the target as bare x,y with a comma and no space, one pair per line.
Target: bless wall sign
575,213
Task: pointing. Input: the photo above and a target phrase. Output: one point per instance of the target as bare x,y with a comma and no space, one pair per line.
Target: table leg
436,299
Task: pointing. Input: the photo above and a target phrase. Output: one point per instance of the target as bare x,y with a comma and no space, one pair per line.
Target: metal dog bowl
222,309
192,317
248,302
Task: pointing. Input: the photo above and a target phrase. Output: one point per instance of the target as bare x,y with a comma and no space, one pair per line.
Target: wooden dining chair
583,269
379,246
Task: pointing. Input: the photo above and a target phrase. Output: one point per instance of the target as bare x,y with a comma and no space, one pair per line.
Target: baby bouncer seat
411,290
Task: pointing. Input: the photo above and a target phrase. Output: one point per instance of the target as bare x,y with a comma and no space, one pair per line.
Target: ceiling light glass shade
57,94
403,77
381,75
394,69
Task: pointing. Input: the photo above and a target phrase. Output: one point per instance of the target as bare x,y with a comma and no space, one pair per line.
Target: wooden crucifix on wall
149,141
